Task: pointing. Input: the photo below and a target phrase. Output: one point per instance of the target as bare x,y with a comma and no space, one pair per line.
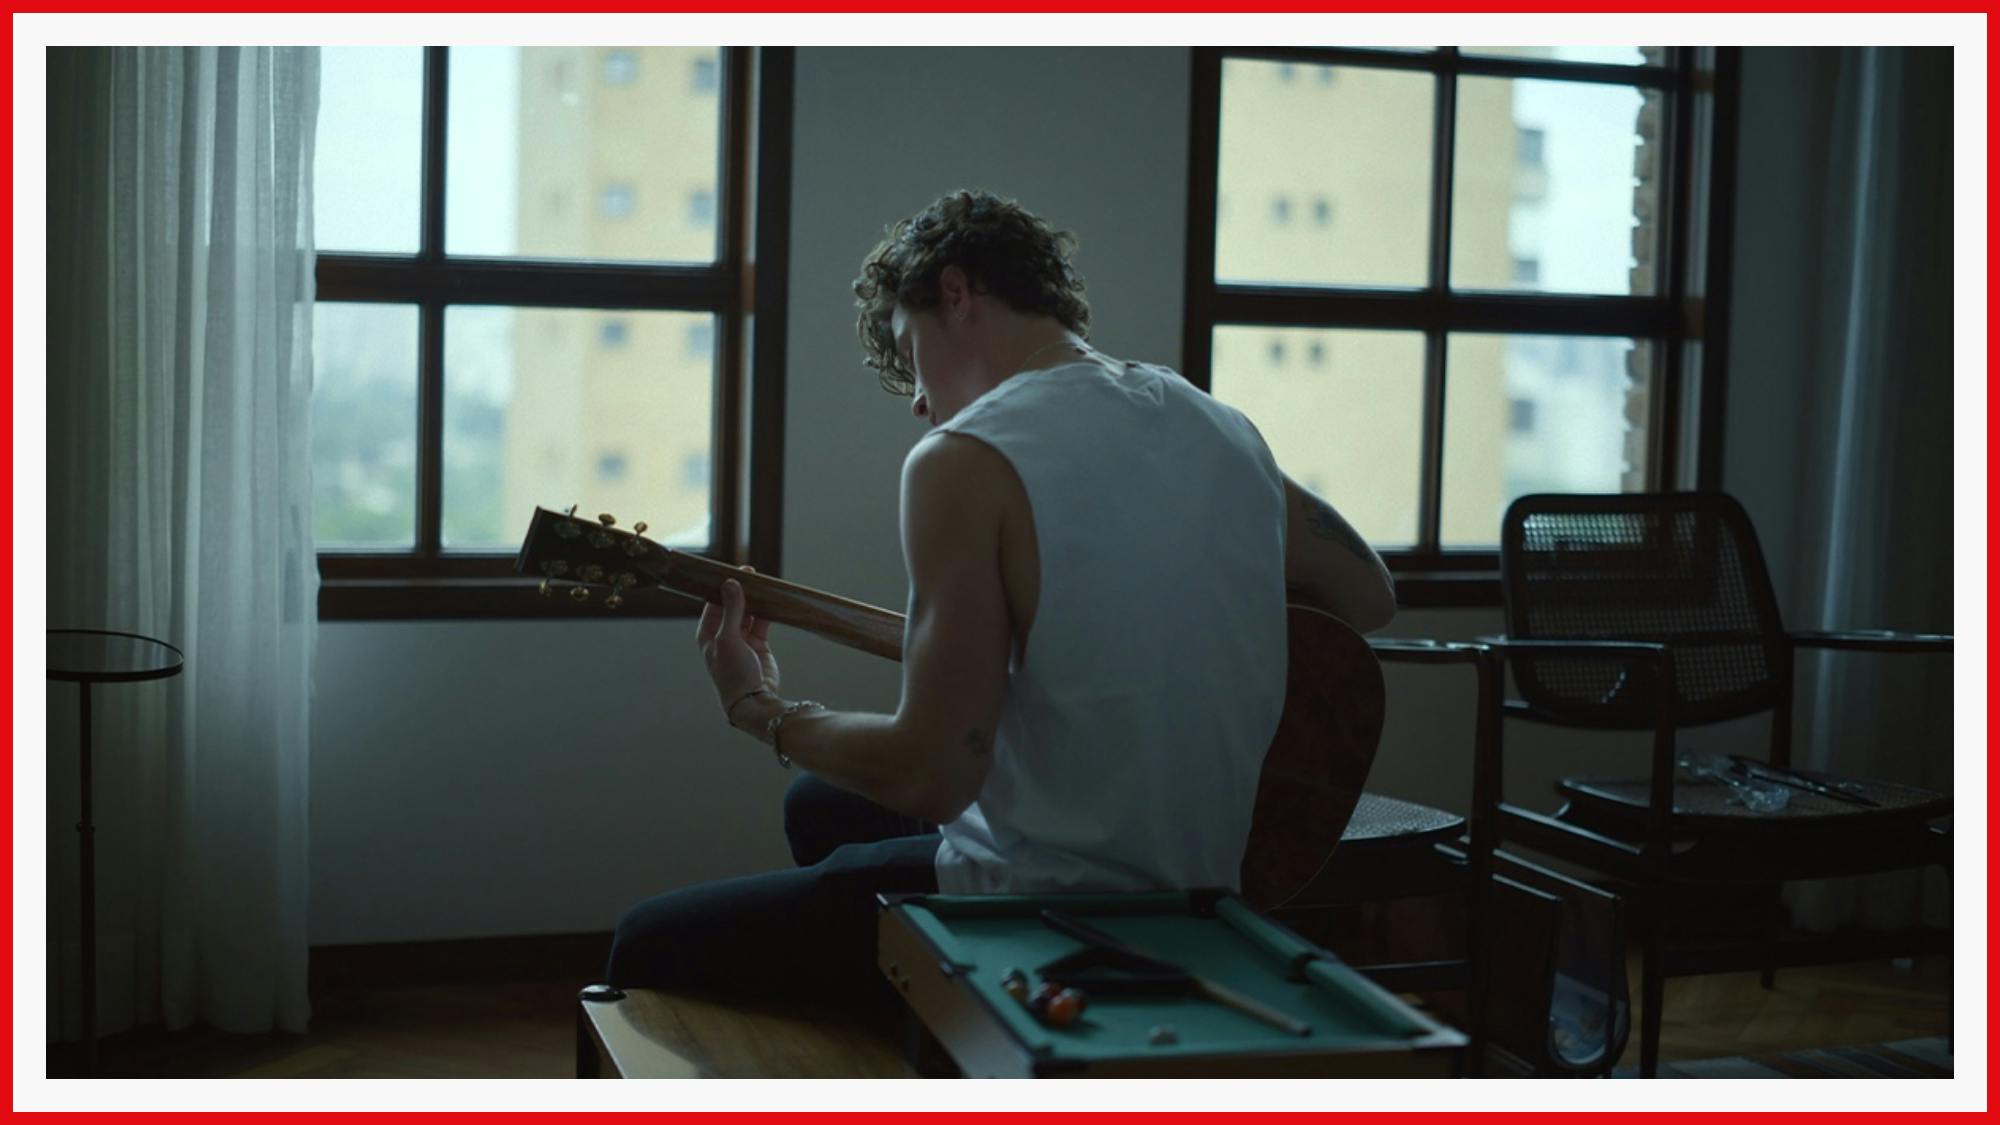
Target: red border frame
932,6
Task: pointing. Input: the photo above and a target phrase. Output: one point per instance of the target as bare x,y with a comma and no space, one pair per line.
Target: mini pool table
947,956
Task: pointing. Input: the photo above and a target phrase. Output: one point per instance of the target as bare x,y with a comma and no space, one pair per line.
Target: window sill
1424,584
484,598
515,599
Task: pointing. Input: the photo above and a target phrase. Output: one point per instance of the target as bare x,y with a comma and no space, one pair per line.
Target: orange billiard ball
1064,1008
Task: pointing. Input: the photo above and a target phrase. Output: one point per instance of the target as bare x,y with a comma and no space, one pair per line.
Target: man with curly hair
1100,557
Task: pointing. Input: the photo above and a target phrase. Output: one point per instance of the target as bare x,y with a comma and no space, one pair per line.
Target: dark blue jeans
806,934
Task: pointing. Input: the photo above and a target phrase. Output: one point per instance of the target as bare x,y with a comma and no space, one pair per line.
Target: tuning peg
607,519
546,589
625,580
591,573
639,528
579,593
613,602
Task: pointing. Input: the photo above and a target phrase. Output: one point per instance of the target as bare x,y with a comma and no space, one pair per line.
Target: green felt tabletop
987,935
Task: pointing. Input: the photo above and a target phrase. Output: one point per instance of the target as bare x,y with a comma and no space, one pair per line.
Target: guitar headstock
577,553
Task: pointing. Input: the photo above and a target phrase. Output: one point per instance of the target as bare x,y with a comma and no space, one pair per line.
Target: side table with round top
100,656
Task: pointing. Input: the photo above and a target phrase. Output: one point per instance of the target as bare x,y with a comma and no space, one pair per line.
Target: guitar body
1319,757
1313,773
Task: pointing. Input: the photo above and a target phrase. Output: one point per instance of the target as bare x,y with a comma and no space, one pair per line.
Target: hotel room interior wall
1094,140
487,778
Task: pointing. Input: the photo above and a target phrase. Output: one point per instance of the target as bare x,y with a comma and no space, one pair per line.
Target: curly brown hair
1004,249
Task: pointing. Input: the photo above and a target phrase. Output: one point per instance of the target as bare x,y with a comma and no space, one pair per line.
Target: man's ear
955,292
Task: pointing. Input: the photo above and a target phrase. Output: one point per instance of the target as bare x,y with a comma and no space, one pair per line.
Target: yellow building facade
619,162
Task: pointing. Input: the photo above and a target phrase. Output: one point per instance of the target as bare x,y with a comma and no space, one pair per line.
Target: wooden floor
1831,1006
526,1028
515,1029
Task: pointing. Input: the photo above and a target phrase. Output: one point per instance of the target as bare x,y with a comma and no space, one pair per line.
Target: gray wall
513,778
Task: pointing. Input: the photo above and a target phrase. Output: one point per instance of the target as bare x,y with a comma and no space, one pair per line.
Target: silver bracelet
778,720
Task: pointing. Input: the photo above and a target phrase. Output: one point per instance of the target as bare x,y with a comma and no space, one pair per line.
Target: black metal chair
1653,612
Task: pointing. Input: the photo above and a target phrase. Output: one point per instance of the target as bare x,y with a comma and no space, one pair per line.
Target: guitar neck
858,625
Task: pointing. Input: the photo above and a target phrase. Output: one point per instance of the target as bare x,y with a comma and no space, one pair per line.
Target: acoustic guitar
1312,774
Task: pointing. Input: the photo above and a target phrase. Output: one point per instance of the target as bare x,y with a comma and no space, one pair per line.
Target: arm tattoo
978,743
1325,523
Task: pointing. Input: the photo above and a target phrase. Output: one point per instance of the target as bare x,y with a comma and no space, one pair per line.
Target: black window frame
1686,315
748,302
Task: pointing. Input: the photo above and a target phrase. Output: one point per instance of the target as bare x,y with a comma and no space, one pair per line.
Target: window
614,201
700,339
1528,149
704,75
1515,313
621,68
694,471
479,325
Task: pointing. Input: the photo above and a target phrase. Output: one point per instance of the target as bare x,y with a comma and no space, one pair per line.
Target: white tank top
1134,725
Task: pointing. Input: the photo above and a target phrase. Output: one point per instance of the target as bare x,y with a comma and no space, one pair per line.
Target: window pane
368,154
1538,414
610,411
1553,187
1623,56
583,152
1325,175
364,416
1342,411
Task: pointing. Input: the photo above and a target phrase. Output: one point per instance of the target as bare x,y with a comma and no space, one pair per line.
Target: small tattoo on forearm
978,743
1325,523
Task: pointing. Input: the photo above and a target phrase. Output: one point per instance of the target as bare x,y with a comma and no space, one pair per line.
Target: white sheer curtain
1874,515
179,456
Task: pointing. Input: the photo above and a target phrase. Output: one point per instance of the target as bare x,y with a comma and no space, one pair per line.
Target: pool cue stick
1228,997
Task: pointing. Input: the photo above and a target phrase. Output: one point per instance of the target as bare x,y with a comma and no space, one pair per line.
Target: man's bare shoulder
958,492
962,465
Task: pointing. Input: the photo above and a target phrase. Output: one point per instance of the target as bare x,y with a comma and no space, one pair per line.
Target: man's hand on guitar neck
737,649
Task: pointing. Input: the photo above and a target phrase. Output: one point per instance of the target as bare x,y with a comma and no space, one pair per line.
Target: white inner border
1966,1091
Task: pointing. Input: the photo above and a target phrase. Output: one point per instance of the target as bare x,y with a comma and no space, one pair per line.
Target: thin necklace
1027,364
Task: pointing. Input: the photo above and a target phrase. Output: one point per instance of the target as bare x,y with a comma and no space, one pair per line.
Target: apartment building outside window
1521,204
467,370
